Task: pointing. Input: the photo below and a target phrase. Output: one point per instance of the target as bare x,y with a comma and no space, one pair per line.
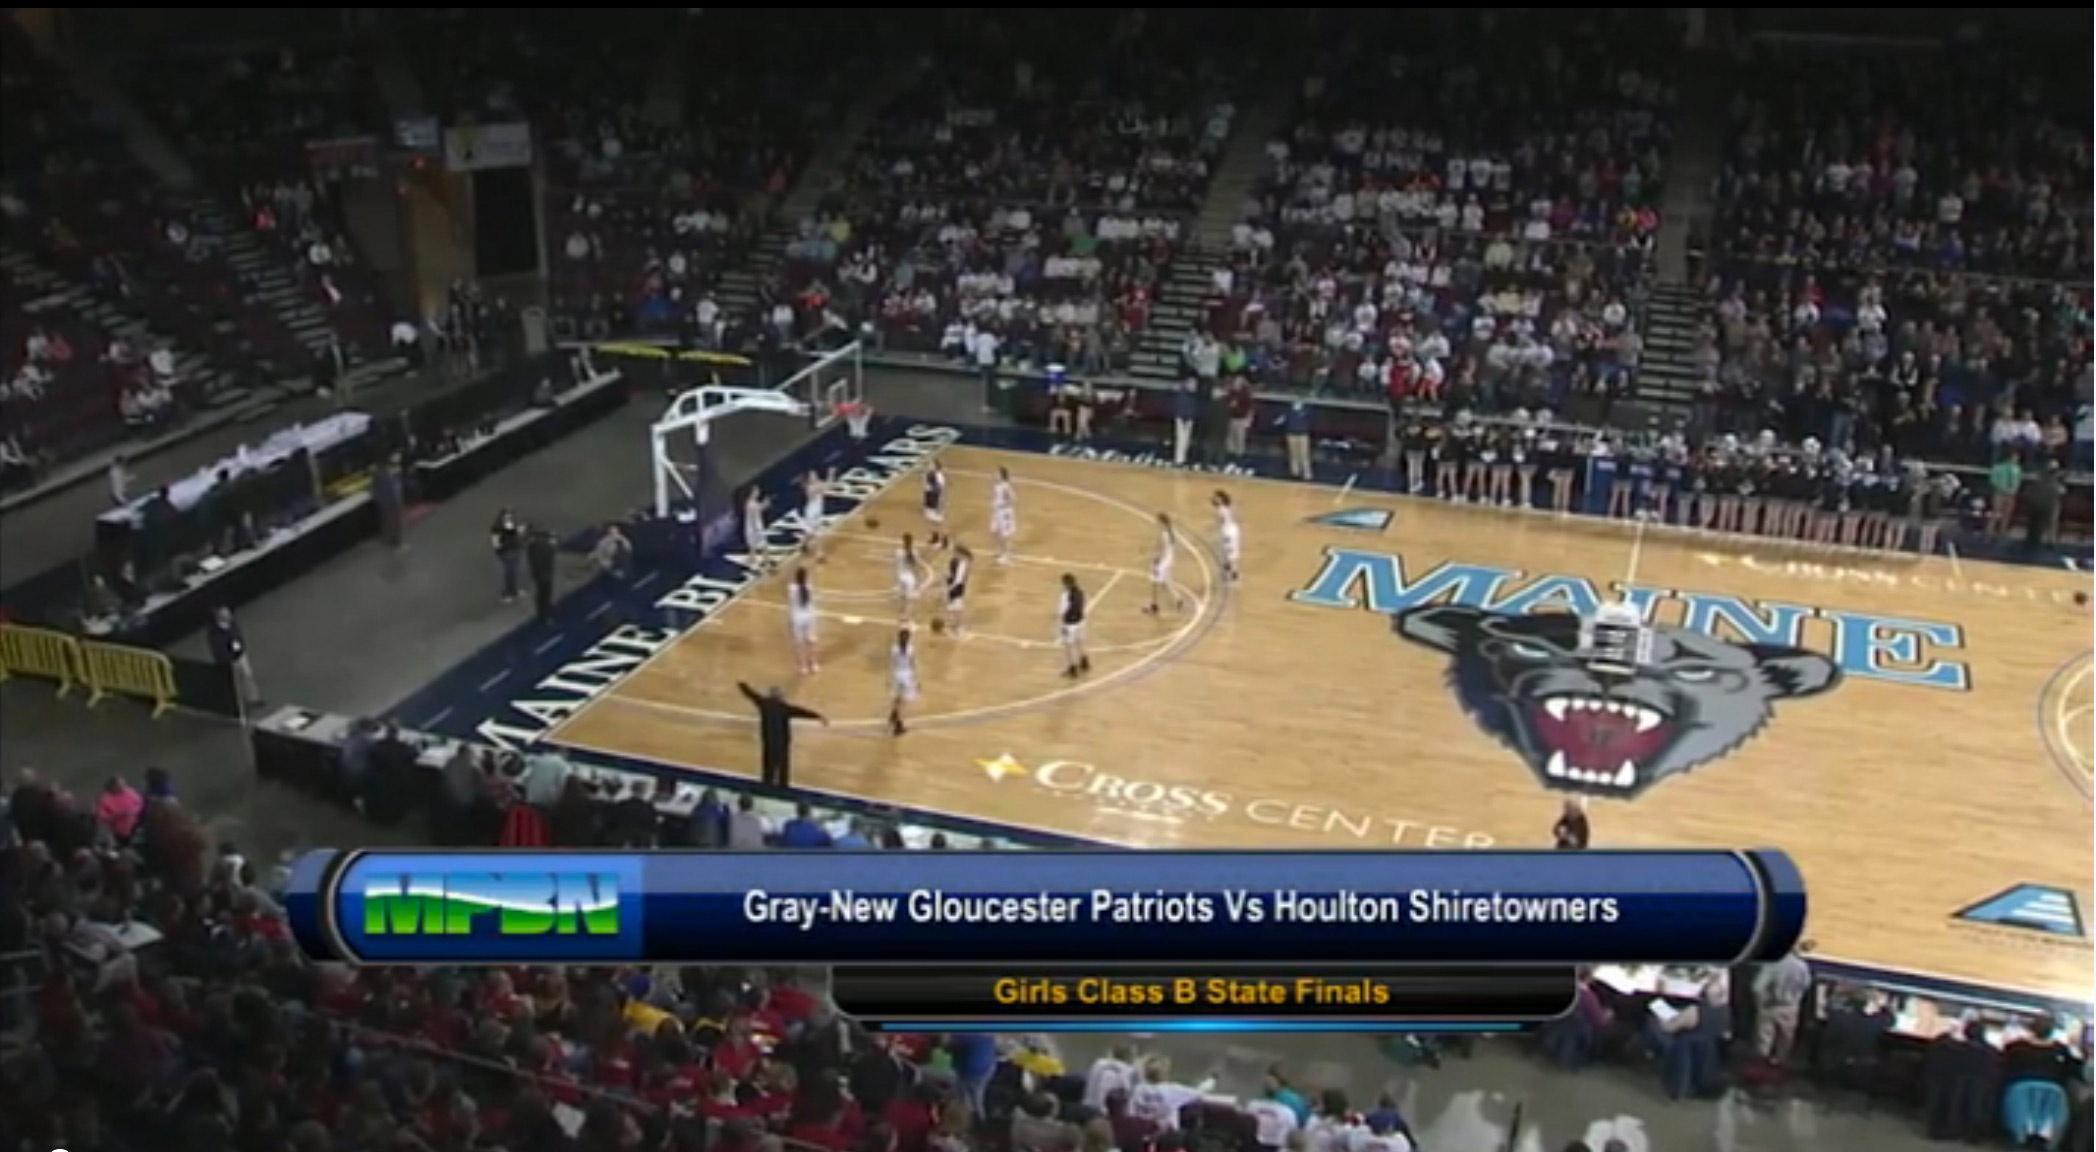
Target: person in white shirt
1004,515
1274,1123
984,348
1112,1072
902,678
800,616
906,566
119,481
1161,567
1230,535
1158,1099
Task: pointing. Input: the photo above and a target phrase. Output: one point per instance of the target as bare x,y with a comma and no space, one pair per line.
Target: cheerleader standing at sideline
1070,629
1004,515
902,679
906,581
800,616
1161,567
957,568
1228,534
935,504
815,491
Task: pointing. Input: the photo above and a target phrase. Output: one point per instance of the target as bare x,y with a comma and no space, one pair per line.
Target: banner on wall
477,147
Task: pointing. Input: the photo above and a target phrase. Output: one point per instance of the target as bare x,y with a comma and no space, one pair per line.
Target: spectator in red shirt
910,1117
1130,1133
1241,404
737,1054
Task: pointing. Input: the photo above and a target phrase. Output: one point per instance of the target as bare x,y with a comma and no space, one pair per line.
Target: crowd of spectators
1900,255
1439,220
1012,114
275,134
1961,157
171,1010
1023,199
644,218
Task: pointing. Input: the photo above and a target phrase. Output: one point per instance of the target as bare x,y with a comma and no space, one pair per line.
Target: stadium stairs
215,389
1667,379
738,291
276,291
1182,301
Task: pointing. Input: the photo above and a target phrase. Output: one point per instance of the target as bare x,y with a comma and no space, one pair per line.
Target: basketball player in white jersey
957,568
906,581
935,504
902,679
1228,533
800,617
753,533
814,492
1161,567
1004,515
1070,628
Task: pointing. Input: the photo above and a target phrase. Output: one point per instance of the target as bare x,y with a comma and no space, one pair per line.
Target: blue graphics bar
1048,908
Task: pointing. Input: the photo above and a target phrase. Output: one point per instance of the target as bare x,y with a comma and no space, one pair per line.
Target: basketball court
1399,673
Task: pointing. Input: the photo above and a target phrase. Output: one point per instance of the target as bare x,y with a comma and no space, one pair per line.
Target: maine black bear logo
1600,731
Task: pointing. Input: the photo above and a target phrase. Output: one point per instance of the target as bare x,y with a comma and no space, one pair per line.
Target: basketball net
858,417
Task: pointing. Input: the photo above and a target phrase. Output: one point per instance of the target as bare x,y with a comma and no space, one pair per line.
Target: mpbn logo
491,903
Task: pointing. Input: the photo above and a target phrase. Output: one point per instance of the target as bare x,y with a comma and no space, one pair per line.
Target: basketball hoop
858,416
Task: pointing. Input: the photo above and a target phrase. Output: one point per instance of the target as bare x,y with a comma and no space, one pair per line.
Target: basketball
2081,598
938,626
873,521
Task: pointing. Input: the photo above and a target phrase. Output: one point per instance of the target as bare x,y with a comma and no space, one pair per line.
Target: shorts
906,586
1233,547
1072,633
934,513
753,535
904,687
956,599
803,629
1004,525
1161,572
811,515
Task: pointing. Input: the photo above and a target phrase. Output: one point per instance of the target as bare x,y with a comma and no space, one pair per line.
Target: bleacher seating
1469,215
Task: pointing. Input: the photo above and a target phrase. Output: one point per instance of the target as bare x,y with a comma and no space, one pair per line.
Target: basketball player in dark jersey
1500,477
935,504
957,568
1560,465
1668,475
1479,453
1414,441
1724,489
1070,629
1446,452
1697,508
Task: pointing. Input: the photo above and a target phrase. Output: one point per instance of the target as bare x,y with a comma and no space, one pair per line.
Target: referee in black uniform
775,717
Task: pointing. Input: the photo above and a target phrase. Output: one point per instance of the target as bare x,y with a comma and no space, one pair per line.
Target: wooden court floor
1914,732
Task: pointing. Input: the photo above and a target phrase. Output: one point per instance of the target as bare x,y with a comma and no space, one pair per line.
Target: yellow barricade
131,671
40,652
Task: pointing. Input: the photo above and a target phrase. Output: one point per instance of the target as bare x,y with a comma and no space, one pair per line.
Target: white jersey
1232,536
753,534
902,671
905,573
957,580
800,611
1161,563
812,495
1004,511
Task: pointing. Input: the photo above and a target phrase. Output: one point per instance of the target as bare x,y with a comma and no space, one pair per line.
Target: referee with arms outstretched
775,717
